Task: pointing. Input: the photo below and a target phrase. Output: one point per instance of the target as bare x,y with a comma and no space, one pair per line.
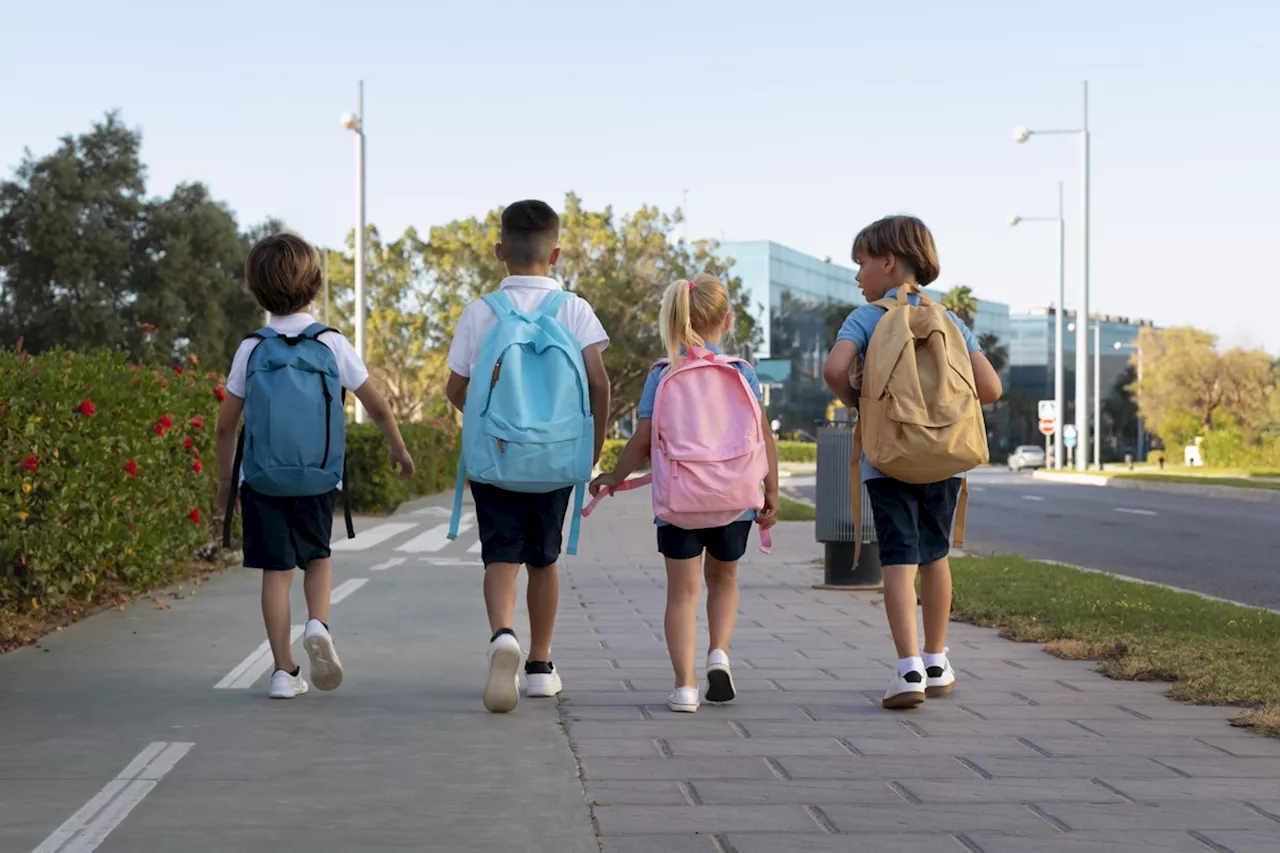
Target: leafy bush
797,451
101,472
372,486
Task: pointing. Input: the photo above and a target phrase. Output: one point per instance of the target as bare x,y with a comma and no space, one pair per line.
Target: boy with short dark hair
286,485
913,520
525,527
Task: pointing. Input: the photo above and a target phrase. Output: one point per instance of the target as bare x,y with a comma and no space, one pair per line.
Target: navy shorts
520,527
726,544
913,521
285,533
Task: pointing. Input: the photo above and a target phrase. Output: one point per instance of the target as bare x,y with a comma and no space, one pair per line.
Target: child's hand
768,516
401,457
604,481
220,502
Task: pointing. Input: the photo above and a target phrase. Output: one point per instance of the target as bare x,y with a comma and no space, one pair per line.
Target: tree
961,301
621,264
996,352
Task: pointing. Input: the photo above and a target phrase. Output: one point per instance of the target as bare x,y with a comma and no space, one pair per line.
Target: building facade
800,301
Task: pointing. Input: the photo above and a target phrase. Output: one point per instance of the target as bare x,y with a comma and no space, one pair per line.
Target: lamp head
349,121
1021,134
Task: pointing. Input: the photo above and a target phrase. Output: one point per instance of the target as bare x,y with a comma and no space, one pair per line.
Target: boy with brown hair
519,522
913,519
288,379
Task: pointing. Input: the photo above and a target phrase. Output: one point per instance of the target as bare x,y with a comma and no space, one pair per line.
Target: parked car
1026,456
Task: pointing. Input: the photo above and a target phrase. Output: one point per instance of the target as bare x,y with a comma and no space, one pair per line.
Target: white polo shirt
527,293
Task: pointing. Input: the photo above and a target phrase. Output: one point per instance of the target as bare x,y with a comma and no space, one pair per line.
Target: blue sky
797,122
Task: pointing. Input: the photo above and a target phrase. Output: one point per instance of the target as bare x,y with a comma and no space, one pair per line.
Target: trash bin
834,511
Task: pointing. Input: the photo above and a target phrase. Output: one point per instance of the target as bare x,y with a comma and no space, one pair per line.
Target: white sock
910,665
939,659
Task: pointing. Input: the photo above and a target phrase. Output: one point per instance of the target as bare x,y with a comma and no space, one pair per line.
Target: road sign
1048,410
1069,435
1048,427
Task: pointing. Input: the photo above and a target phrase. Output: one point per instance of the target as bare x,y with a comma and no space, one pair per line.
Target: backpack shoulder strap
262,334
315,330
500,303
552,302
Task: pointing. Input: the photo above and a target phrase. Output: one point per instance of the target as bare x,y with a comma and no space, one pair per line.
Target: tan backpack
919,417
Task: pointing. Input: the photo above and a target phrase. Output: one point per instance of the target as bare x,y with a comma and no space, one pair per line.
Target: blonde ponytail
692,308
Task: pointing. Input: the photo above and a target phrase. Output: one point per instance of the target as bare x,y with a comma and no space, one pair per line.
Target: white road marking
373,536
435,511
1136,511
1032,498
475,548
249,670
977,488
451,561
345,589
389,564
90,826
433,540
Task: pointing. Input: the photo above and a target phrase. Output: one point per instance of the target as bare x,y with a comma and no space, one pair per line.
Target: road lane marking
345,589
248,671
475,547
1032,498
433,540
451,561
389,564
85,830
373,536
1136,511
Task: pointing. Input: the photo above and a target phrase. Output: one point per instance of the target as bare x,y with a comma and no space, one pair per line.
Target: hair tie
691,285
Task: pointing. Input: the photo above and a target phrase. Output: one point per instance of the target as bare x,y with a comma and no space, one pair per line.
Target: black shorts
913,522
726,544
285,533
520,527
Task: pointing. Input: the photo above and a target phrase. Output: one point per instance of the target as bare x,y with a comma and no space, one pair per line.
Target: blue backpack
293,441
527,425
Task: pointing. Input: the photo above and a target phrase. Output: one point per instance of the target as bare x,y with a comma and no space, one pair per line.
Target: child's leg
317,583
500,587
275,613
544,535
684,588
937,511
722,601
935,594
543,599
900,608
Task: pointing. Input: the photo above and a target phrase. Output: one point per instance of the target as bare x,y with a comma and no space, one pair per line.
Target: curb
1263,496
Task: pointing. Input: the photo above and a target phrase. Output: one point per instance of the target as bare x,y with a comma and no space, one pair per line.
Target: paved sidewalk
1029,754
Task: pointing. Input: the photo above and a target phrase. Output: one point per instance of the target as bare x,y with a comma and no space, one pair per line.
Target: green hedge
372,486
106,472
788,451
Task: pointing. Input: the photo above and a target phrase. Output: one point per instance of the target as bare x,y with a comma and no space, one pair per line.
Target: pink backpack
708,452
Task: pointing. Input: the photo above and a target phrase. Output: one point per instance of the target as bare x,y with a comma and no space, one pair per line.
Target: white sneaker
719,679
502,692
541,680
286,685
939,680
906,690
326,669
683,700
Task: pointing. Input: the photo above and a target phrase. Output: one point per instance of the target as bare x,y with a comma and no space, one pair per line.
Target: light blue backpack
293,441
527,425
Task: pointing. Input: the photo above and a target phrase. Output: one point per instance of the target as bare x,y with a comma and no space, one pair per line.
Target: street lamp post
1022,134
1142,435
1059,451
355,124
1097,392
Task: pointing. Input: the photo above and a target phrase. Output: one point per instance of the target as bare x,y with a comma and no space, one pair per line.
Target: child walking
913,519
693,394
531,398
288,380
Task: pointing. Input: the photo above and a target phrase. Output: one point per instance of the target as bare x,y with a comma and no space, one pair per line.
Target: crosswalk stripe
373,536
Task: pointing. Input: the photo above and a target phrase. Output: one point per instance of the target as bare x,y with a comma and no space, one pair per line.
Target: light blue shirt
650,393
859,326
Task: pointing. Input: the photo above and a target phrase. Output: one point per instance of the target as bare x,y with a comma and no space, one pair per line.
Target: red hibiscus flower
160,429
219,393
195,515
166,421
197,422
198,466
87,408
131,467
177,370
31,464
189,442
191,358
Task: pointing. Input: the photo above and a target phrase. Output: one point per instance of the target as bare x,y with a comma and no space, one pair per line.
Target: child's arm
985,378
380,413
225,442
456,390
598,388
636,451
768,516
836,372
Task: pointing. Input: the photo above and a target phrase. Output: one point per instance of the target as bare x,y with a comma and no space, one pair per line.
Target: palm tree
996,352
961,301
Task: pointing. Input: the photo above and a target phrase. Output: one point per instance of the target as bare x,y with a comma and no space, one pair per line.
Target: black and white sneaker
502,690
940,680
906,690
541,680
719,679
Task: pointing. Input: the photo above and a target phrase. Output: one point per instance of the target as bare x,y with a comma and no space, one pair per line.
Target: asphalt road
1217,546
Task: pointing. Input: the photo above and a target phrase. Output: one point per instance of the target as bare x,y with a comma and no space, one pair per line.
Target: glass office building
800,301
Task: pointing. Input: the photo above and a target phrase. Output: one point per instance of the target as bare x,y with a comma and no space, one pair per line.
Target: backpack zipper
328,420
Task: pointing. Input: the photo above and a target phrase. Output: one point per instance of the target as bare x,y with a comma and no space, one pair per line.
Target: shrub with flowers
100,472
